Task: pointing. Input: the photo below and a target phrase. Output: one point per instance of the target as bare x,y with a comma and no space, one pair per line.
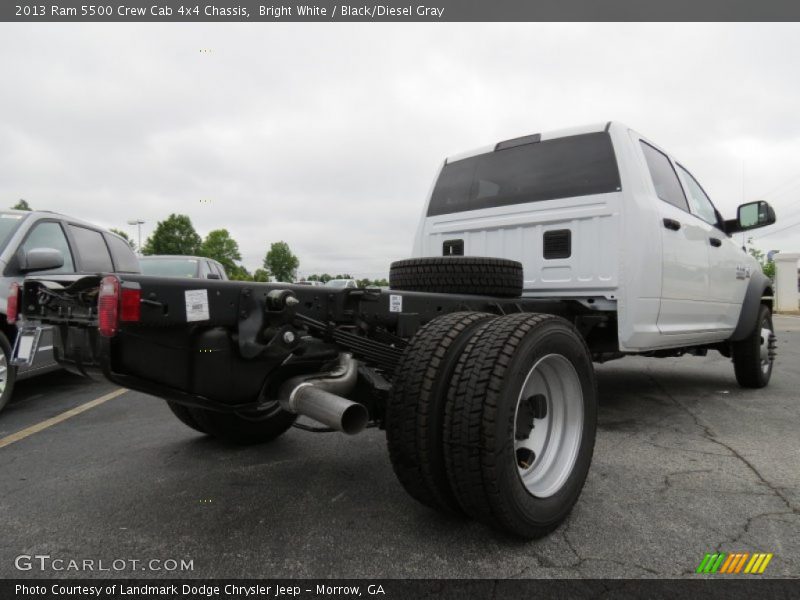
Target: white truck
534,258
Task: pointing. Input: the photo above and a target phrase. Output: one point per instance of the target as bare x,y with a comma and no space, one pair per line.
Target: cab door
727,280
684,308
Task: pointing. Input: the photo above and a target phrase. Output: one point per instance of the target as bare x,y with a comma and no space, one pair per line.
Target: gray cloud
327,136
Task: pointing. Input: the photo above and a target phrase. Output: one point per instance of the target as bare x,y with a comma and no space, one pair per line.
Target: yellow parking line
21,435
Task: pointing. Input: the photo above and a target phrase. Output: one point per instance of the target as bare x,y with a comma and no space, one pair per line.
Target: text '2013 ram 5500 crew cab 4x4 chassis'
479,369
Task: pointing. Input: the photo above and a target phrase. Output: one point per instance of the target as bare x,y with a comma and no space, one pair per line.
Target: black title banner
398,10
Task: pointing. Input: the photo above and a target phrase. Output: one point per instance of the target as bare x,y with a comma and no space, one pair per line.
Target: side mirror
213,276
755,214
751,216
41,259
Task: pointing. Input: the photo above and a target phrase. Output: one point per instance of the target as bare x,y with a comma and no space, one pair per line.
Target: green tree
767,265
220,246
239,273
125,237
174,235
261,275
22,205
281,262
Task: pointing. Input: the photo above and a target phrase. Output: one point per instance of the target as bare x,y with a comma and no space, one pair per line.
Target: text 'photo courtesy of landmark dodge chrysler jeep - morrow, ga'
533,258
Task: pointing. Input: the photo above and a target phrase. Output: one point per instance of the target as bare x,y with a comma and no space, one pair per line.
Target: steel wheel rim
3,372
765,348
548,425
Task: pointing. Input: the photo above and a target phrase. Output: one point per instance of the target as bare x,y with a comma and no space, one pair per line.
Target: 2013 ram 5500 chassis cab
479,369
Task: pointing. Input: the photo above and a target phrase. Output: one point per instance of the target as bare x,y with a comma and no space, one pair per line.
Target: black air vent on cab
558,243
453,248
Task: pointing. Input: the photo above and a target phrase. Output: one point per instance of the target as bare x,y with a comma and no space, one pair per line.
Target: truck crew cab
533,258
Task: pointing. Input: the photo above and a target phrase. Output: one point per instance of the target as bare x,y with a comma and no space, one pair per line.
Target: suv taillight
108,306
12,308
116,303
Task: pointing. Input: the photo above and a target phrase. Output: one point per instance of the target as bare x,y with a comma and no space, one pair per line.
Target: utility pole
138,223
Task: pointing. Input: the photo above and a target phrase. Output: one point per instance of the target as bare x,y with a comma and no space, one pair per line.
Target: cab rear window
567,167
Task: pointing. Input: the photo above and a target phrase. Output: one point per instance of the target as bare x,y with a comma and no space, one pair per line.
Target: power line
756,237
776,188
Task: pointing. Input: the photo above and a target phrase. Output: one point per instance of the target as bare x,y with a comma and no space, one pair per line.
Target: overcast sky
327,136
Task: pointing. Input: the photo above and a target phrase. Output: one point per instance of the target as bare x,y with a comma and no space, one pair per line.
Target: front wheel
185,416
244,428
8,373
754,356
520,423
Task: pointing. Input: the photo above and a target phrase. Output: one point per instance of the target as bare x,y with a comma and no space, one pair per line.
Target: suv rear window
92,250
566,167
125,260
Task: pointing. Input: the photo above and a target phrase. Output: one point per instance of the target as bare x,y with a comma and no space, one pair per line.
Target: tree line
176,235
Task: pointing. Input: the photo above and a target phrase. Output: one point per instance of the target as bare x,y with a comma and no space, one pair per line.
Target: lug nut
289,337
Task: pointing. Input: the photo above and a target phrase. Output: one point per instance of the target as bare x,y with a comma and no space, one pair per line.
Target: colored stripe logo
734,563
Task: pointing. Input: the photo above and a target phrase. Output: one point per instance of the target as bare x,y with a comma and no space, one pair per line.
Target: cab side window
699,202
665,180
50,235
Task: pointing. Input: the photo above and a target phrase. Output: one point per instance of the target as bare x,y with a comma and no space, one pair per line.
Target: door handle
716,242
672,224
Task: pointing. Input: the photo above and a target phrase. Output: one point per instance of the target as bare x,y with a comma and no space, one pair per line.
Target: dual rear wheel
495,417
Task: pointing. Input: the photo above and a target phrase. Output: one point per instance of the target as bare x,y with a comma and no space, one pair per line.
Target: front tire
754,356
254,427
8,373
520,423
185,416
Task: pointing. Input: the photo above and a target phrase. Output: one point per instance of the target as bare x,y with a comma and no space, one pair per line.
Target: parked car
56,245
342,283
311,283
196,267
601,244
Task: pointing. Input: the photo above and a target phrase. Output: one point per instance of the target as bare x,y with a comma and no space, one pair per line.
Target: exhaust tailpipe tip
327,408
354,419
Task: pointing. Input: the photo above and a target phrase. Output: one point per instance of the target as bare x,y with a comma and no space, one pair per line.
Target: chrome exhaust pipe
329,409
318,397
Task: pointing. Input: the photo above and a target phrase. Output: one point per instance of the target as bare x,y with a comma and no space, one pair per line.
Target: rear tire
244,428
8,373
415,411
458,275
520,423
754,356
185,416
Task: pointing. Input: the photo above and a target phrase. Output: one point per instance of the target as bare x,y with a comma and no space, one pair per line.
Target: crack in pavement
673,449
709,434
668,484
581,560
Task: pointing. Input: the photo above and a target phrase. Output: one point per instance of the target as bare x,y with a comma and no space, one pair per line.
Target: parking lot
686,463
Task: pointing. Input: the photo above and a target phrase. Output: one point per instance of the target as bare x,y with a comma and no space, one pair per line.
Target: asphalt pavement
686,463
